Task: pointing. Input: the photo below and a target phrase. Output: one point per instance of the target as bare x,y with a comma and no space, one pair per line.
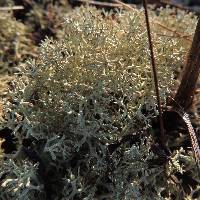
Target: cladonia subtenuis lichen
85,92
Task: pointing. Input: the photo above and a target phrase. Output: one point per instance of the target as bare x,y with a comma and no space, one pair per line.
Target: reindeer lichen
73,106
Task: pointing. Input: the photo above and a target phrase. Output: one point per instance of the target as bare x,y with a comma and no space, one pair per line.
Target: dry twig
154,74
175,33
11,8
98,3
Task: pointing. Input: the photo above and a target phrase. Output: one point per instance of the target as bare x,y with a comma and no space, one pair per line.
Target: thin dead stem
125,5
11,8
176,33
154,74
98,3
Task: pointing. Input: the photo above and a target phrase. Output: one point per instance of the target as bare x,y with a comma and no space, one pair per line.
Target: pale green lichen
22,182
84,93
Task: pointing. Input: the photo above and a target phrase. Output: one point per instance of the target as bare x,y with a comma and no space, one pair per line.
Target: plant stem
11,8
162,135
186,90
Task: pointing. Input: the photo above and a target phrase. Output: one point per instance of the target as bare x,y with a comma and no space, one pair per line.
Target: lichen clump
73,105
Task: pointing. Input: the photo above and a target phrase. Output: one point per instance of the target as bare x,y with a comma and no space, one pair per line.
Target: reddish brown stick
186,90
154,74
